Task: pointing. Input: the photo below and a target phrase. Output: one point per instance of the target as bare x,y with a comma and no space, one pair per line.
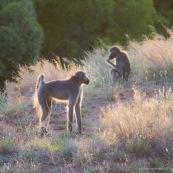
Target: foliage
21,38
72,28
69,28
164,8
134,18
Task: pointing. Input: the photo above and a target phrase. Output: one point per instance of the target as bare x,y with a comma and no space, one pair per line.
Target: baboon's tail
39,83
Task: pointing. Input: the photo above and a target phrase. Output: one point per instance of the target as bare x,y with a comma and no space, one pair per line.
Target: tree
21,38
164,10
72,27
134,18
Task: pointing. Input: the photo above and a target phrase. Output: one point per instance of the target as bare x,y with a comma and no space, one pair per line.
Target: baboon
69,90
122,68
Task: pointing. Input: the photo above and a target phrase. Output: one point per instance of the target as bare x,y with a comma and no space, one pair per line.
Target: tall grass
143,127
152,59
130,133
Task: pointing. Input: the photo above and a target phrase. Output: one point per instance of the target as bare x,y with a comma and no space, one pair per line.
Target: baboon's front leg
78,113
114,75
115,67
49,103
70,115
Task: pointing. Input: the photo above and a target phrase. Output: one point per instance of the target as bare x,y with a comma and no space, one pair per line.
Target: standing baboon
122,68
69,90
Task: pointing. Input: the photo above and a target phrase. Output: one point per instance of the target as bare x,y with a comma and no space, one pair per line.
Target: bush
21,37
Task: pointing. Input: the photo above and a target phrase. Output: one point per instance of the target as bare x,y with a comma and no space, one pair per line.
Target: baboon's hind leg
45,113
114,76
45,110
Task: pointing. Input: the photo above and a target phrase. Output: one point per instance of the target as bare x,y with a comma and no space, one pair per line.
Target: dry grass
145,123
152,59
128,127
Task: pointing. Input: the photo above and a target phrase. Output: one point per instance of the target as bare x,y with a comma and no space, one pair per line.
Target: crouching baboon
69,90
122,68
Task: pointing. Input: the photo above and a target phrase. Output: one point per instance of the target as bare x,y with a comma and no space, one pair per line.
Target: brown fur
122,68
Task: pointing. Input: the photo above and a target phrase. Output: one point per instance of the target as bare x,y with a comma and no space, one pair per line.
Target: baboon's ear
112,49
79,74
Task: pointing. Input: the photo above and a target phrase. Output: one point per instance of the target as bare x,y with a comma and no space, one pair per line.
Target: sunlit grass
152,59
133,129
144,126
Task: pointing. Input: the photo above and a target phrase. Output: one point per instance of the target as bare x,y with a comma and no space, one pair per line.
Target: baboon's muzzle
87,82
111,56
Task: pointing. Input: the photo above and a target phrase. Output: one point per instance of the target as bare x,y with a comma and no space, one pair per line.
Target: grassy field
127,127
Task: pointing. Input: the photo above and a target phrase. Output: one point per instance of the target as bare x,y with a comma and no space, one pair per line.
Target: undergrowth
132,132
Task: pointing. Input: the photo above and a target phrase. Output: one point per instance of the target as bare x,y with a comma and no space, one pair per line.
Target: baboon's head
82,77
113,52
